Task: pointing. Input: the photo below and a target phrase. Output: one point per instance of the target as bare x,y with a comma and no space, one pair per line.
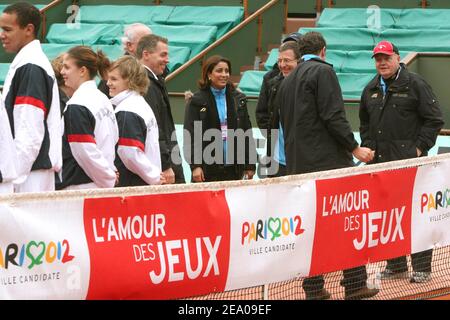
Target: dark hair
96,63
291,45
26,13
208,67
312,42
149,43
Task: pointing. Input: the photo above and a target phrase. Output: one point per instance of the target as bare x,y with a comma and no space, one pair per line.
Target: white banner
43,250
430,225
272,232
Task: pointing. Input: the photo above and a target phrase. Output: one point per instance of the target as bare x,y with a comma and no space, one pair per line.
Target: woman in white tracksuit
90,126
138,159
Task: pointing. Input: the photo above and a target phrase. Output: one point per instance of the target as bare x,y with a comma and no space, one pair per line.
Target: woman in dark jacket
214,146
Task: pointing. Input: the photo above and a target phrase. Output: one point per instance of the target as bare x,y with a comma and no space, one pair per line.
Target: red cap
385,47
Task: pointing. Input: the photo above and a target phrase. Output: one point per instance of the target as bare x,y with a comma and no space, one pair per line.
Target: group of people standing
121,133
60,131
301,102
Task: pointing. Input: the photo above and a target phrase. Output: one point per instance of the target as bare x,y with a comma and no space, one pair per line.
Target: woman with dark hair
90,127
221,152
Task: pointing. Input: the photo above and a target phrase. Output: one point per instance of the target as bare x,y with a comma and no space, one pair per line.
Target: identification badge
223,128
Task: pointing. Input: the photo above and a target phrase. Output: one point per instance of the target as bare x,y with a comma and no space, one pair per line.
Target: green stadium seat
4,67
271,59
412,18
124,14
362,62
356,39
357,18
351,84
251,82
87,34
337,58
424,19
52,50
418,40
177,55
222,17
349,39
194,37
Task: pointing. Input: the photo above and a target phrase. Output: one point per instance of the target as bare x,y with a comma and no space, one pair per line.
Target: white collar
122,96
29,49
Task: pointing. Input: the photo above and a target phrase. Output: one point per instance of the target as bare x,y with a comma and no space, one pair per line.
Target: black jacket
158,99
408,117
317,134
202,109
267,109
262,108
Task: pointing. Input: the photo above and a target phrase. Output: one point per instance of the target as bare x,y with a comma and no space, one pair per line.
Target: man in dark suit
153,53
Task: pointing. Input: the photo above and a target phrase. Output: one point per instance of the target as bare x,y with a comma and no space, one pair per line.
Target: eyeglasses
286,61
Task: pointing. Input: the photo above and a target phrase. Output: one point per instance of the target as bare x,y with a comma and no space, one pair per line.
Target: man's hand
169,175
162,179
248,174
419,152
363,154
197,175
116,183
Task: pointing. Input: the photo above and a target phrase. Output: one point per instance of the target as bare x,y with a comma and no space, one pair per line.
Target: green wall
435,70
296,7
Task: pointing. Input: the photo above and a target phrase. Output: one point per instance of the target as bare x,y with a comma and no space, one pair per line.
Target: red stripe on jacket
32,102
131,143
81,138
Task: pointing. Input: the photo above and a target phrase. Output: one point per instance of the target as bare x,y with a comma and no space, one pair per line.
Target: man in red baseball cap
400,119
385,47
387,59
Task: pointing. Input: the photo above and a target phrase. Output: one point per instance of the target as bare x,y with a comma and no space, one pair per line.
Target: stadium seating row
222,17
407,19
351,83
343,61
194,38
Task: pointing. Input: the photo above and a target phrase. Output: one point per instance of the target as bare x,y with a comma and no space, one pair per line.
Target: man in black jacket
267,110
318,137
153,53
264,119
400,119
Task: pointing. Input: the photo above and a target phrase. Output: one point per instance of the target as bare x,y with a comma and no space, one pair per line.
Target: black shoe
361,294
318,295
420,277
388,274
